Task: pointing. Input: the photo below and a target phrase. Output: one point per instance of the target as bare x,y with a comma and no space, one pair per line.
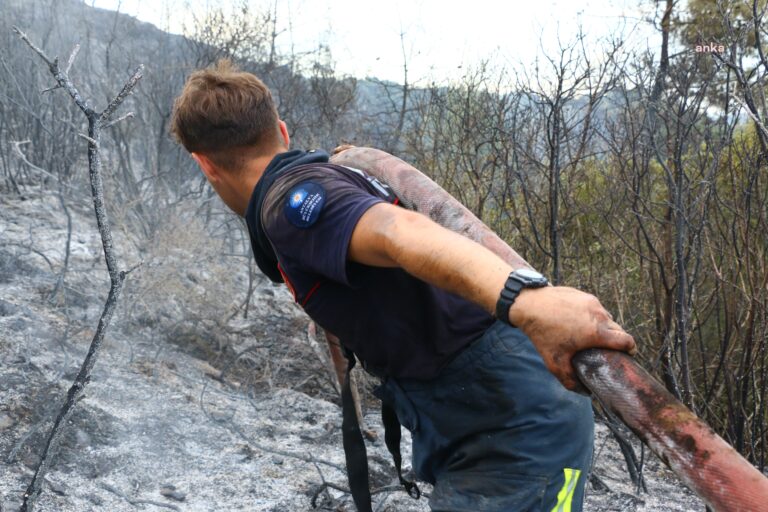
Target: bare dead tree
564,92
67,246
96,122
241,33
60,194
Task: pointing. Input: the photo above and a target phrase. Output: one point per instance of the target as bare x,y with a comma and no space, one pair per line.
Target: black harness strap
354,446
392,440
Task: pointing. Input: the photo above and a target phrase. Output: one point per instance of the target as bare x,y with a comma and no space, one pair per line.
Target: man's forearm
447,260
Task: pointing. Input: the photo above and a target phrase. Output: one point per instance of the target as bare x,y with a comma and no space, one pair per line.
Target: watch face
528,273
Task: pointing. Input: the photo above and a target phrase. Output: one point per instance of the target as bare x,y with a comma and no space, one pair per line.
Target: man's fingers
617,339
627,340
343,147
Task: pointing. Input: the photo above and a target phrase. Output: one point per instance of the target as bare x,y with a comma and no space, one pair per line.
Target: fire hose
707,464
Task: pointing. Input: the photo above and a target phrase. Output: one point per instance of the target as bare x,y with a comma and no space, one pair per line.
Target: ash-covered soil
192,406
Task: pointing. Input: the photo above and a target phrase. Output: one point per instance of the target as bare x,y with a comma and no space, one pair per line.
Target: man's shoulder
326,176
309,216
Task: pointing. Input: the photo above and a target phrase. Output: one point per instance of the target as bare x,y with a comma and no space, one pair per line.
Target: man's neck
249,179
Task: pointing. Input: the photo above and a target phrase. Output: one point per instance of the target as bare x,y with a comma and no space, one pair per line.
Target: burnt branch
136,502
96,121
124,93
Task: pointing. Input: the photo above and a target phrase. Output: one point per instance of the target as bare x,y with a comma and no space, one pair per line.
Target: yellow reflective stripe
565,496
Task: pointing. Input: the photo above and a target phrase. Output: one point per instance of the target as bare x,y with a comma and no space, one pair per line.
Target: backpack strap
354,446
392,440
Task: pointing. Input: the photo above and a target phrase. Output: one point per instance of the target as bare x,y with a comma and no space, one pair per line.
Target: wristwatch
516,282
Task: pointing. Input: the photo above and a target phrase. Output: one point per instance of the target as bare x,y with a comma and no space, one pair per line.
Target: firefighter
474,354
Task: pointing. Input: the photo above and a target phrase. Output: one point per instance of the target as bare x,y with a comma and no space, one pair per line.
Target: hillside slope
173,418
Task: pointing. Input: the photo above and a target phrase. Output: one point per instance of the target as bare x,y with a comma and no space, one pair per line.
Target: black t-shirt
394,322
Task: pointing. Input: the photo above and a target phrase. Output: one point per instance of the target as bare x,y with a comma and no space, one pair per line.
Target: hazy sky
442,37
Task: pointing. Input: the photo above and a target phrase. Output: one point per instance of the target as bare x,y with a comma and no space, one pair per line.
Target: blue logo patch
304,203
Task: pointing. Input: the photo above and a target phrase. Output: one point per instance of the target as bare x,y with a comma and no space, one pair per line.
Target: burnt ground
192,407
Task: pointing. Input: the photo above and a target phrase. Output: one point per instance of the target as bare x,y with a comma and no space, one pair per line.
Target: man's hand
561,321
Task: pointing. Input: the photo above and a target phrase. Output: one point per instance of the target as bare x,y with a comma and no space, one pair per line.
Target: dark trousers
495,431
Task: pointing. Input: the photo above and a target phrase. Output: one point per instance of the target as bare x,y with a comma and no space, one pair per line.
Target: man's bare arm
559,320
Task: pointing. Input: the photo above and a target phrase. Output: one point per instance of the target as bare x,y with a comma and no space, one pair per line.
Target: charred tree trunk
96,122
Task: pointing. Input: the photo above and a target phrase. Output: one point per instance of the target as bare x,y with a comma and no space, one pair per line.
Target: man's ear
208,168
284,133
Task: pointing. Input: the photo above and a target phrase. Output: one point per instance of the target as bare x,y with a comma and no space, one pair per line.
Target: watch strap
507,297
